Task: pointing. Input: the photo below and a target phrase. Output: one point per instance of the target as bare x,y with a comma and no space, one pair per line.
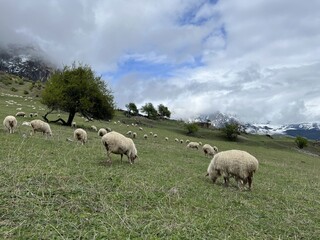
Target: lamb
117,143
209,150
102,131
80,135
233,163
10,122
41,126
193,145
20,114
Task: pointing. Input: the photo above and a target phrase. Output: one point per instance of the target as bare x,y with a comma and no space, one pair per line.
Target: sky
256,60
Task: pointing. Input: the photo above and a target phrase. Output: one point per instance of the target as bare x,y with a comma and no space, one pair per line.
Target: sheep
145,136
41,126
94,128
140,128
151,133
176,139
31,115
166,138
129,133
134,135
74,124
117,143
155,135
20,114
181,140
187,141
10,122
80,135
193,145
102,131
233,163
25,123
108,129
200,143
209,150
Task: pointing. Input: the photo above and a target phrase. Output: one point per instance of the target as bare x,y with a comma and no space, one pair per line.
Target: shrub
231,130
191,128
25,92
301,142
14,89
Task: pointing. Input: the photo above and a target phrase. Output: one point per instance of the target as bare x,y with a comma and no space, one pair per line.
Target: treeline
148,109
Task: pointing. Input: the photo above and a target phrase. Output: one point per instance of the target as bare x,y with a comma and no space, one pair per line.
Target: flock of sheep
232,163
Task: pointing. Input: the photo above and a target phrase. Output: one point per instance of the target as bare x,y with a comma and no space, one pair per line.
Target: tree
301,142
191,128
132,109
77,89
149,109
163,111
231,130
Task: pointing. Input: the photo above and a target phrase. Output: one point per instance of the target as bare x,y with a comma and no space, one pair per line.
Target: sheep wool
80,135
233,163
41,126
10,123
193,145
209,150
117,143
102,131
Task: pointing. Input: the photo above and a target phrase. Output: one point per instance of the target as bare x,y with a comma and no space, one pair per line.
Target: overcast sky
258,60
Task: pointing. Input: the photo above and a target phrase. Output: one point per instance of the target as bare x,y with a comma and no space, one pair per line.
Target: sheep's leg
109,157
249,182
214,179
226,181
121,157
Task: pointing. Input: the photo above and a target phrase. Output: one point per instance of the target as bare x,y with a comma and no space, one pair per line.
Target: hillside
53,188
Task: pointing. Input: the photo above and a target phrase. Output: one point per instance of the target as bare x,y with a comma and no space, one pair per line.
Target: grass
55,189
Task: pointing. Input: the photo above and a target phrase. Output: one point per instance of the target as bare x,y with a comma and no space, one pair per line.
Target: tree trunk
71,117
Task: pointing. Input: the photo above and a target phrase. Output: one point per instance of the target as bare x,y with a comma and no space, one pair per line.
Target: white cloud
256,59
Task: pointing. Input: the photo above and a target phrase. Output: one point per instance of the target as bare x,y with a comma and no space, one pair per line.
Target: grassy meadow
57,189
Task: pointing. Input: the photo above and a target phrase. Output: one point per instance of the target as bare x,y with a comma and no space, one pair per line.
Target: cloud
258,60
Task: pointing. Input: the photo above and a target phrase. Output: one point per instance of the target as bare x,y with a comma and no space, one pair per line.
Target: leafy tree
132,109
77,89
301,142
163,111
191,128
231,130
149,109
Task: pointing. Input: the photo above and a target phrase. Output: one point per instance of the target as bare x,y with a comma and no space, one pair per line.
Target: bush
25,92
301,142
14,89
191,128
231,130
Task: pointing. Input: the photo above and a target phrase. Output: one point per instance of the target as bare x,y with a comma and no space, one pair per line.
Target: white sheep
102,131
134,135
193,145
140,128
209,150
166,138
187,141
74,124
176,139
233,163
94,128
117,143
155,135
151,133
10,122
41,126
108,129
181,140
80,135
20,114
145,136
25,123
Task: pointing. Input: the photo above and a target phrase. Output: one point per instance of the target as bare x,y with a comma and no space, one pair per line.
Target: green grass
55,189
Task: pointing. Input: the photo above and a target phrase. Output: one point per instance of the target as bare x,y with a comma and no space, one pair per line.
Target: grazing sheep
35,114
181,140
80,135
119,144
187,141
102,131
209,150
20,114
140,128
200,143
134,135
129,133
10,123
25,123
108,129
193,145
155,135
41,126
176,139
233,163
18,109
94,128
31,115
145,136
151,133
74,124
166,138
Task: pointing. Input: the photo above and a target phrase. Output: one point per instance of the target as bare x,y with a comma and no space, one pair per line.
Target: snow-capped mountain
307,130
25,62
